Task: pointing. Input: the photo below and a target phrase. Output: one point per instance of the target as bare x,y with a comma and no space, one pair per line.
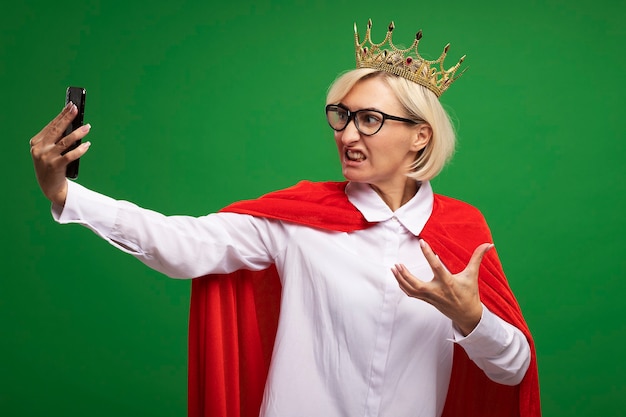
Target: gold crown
407,63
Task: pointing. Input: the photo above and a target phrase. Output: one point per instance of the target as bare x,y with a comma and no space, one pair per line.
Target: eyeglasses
368,122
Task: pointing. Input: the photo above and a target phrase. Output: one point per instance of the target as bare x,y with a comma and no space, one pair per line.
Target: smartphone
77,96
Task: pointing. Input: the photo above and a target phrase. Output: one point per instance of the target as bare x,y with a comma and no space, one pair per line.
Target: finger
432,258
406,280
76,153
68,141
404,285
55,125
477,257
55,128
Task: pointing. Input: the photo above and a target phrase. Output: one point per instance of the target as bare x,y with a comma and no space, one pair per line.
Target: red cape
233,317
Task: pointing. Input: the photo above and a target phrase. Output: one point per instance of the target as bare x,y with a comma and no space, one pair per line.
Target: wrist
58,198
468,323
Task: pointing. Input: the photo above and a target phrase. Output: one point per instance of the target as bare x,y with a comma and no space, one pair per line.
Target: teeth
355,156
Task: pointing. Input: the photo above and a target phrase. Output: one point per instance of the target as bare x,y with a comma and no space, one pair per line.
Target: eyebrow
352,111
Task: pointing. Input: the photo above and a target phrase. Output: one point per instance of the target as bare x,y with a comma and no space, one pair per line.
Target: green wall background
196,105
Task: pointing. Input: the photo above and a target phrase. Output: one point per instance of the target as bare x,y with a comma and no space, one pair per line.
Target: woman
371,316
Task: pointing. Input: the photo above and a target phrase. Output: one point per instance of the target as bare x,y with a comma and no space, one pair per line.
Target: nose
350,133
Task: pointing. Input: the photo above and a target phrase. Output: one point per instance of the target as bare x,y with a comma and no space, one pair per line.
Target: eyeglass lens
367,122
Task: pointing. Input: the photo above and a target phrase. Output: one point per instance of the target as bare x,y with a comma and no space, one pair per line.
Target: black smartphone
77,96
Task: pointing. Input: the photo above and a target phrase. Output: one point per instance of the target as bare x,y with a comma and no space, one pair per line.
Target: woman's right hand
46,149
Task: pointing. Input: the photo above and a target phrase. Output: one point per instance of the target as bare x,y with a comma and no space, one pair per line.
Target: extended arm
179,246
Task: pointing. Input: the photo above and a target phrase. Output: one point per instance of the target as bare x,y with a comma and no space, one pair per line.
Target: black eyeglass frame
352,116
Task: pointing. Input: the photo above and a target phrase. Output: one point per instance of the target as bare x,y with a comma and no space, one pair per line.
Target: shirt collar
413,215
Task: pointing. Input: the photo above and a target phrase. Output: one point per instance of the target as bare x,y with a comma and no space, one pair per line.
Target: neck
397,196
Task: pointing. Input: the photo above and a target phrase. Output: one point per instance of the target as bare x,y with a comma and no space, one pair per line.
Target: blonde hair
420,104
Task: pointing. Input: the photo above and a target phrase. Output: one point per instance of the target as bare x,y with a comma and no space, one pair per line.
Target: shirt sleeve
178,246
498,348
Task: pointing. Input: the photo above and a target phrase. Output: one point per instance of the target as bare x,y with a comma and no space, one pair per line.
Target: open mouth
355,156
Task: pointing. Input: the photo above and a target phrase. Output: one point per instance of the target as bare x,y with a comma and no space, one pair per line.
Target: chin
355,178
349,174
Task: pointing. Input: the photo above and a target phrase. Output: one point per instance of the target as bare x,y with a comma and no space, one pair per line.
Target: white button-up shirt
349,341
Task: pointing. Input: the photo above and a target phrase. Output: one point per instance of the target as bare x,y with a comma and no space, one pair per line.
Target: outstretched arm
179,246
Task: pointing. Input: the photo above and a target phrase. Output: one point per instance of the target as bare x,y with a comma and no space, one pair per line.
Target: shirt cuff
489,338
86,207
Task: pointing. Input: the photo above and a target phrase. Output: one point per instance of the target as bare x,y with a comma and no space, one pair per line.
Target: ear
422,137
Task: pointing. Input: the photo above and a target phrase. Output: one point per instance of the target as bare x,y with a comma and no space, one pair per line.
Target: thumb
477,257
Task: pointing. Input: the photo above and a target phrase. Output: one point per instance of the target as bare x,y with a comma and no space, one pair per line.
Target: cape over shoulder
317,204
326,205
